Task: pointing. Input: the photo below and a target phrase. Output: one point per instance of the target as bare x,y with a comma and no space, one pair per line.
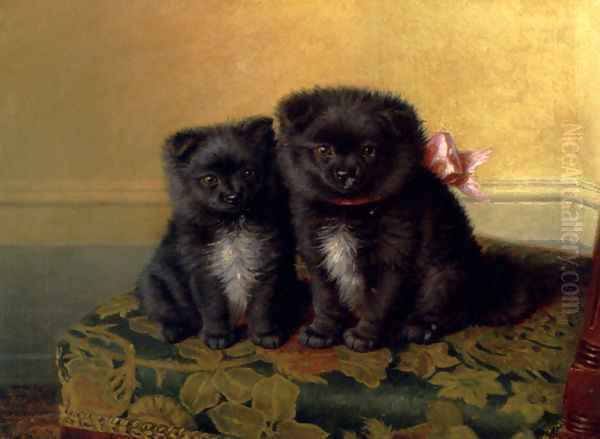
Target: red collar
355,201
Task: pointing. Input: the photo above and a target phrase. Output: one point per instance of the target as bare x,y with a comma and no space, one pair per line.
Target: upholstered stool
119,377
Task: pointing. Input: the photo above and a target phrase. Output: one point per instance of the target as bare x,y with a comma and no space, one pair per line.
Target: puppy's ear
402,123
297,111
258,130
179,147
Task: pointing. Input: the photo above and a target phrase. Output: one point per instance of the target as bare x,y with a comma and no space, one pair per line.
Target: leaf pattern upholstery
501,382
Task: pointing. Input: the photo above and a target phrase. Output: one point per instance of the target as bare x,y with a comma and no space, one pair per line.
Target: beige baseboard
135,213
543,190
77,193
71,192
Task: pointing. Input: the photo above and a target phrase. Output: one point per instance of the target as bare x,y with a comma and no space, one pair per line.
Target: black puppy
382,236
228,251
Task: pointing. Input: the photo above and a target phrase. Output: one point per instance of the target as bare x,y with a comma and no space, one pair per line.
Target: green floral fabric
503,382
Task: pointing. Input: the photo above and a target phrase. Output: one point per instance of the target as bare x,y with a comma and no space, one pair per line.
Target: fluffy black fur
228,250
402,253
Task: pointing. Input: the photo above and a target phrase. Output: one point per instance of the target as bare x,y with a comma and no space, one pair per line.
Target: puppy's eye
324,150
209,180
248,173
368,151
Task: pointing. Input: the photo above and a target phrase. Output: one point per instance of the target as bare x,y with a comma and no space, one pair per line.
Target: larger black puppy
382,236
228,250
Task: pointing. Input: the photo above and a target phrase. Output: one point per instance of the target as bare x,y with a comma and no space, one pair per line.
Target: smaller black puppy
228,250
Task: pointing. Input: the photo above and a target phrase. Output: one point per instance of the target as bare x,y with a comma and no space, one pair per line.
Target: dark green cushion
503,382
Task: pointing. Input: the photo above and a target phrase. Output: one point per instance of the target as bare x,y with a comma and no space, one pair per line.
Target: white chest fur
339,247
236,257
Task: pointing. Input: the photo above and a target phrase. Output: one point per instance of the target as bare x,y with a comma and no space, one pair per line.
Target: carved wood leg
581,404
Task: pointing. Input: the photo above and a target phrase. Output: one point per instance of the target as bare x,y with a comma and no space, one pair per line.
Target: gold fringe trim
146,430
127,427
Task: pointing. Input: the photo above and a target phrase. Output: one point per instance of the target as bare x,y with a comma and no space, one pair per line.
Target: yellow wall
89,88
587,80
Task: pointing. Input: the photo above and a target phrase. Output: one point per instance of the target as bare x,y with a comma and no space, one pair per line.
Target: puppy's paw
176,332
358,343
313,339
219,341
419,332
270,340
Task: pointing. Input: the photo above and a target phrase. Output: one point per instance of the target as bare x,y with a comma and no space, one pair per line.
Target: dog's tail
517,279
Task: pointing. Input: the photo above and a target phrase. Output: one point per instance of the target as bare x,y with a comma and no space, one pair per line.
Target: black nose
342,174
233,199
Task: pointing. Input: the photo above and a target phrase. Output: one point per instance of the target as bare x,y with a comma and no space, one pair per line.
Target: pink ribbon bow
455,168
